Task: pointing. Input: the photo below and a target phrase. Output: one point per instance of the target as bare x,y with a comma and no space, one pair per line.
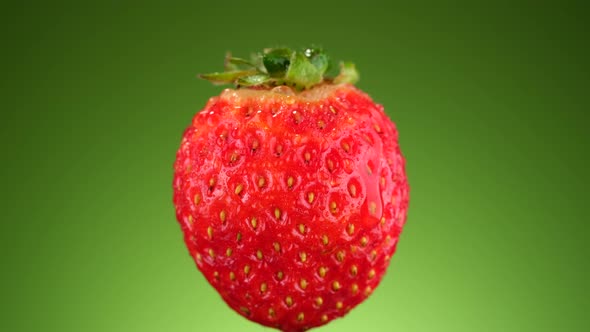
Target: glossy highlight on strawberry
291,201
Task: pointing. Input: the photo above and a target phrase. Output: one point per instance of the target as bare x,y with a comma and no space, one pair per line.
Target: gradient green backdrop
491,102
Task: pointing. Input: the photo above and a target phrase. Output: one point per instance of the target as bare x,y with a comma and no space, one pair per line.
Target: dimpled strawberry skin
291,206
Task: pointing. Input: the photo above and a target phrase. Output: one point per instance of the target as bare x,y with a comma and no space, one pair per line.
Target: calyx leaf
302,73
277,61
226,76
348,73
283,66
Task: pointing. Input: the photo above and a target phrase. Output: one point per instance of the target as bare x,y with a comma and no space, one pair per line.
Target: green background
491,102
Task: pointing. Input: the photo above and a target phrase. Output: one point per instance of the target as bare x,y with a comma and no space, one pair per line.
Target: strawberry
291,190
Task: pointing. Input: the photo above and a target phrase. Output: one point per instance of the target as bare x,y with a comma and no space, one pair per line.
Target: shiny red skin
326,146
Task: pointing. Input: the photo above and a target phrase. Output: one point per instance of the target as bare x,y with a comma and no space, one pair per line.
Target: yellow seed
373,254
279,149
197,199
307,156
330,165
345,146
228,252
245,310
297,117
222,215
211,253
259,254
322,271
190,219
321,124
239,189
319,301
387,239
211,182
271,312
280,275
261,182
382,181
277,213
234,157
302,228
263,287
382,220
246,269
377,128
216,275
325,239
254,222
354,270
290,181
324,318
210,232
232,276
332,109
310,197
340,256
372,208
371,274
364,241
277,246
355,289
255,144
368,290
303,257
350,229
333,207
289,301
300,317
335,285
352,190
239,237
303,283
199,257
339,305
347,165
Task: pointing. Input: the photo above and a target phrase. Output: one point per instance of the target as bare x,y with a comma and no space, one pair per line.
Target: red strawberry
291,190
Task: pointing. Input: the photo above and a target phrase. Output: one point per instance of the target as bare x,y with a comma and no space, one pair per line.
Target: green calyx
283,66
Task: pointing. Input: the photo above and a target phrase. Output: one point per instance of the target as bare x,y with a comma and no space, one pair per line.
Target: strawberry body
291,203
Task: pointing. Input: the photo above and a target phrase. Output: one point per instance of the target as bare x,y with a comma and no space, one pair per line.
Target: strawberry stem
282,66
